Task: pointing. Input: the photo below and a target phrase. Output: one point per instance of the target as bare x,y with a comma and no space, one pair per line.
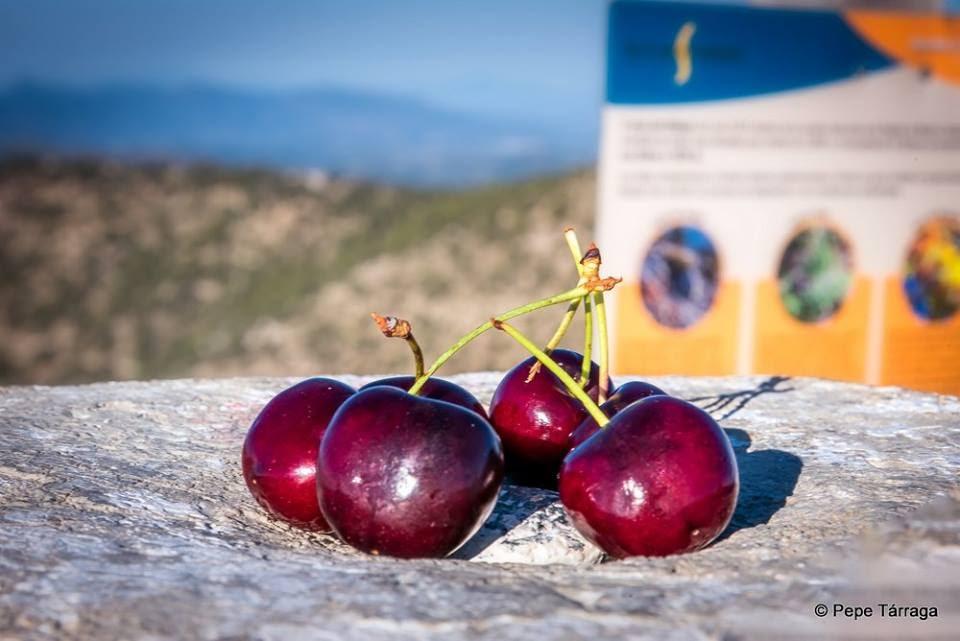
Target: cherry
407,476
436,388
535,418
626,394
280,450
659,479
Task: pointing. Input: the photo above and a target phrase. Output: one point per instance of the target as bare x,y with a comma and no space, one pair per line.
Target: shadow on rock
732,402
767,479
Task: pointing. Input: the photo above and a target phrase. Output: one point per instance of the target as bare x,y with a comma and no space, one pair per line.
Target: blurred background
229,187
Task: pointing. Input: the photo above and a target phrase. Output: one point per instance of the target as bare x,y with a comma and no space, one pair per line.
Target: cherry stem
573,244
557,335
557,371
587,364
393,327
573,294
563,327
569,235
604,346
417,354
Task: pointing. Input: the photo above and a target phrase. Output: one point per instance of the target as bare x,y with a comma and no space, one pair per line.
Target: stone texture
123,515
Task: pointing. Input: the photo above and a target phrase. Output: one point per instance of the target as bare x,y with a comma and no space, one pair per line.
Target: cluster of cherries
411,466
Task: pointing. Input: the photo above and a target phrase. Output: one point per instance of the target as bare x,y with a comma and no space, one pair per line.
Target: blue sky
499,57
523,59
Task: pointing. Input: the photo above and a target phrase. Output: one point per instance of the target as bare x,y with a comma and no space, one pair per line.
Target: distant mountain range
345,132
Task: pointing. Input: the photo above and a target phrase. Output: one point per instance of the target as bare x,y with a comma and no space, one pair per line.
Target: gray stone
123,515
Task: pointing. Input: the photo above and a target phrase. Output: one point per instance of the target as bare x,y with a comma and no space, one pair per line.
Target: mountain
361,135
154,270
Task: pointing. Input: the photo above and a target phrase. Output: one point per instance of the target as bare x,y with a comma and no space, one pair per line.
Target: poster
780,190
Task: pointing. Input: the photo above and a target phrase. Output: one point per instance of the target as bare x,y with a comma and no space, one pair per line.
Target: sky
497,57
522,59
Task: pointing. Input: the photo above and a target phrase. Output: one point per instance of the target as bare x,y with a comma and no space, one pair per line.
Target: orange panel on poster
832,348
709,347
918,353
923,41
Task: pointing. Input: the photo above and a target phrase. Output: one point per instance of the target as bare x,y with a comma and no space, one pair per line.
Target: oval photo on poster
931,278
679,277
815,274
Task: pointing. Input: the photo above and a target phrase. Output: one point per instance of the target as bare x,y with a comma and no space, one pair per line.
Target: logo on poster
681,53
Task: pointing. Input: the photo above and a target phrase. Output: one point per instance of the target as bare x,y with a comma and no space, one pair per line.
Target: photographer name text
882,610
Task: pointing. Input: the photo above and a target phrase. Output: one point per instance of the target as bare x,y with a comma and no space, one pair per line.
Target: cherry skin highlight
436,388
659,479
626,394
535,419
407,476
280,451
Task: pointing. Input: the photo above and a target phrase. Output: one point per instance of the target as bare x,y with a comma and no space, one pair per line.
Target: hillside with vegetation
118,271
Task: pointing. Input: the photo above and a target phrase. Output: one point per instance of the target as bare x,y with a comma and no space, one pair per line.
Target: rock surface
123,515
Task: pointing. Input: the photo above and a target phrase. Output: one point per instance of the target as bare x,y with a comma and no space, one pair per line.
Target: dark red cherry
535,419
627,393
436,388
280,451
659,479
407,476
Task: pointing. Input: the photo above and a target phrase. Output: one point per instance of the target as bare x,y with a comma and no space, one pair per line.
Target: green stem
557,335
587,342
573,294
557,371
574,245
604,346
563,327
417,354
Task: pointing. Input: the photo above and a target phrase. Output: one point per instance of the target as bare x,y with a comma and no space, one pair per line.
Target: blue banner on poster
661,52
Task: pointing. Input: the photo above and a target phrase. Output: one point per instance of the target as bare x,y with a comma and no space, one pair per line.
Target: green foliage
167,266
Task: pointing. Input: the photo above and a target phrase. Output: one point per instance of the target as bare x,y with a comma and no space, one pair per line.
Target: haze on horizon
523,60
